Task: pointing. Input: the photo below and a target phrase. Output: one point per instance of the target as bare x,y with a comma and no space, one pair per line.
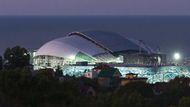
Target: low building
131,77
142,57
93,73
90,74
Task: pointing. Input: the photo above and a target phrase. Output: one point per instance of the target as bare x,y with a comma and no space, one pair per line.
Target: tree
59,72
1,62
16,57
184,102
135,99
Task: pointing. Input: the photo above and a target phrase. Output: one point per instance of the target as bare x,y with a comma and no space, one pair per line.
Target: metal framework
91,40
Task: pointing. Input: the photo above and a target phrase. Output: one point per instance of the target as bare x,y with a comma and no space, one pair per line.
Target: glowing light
72,57
25,54
177,56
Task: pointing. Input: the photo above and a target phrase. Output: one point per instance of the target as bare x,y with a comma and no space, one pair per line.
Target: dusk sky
94,7
37,31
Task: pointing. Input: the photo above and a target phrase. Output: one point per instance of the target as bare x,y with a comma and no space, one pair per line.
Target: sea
167,33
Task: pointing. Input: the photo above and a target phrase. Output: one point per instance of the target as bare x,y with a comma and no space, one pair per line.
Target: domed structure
90,46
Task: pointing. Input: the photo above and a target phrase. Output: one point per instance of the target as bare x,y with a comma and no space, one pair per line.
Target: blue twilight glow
159,74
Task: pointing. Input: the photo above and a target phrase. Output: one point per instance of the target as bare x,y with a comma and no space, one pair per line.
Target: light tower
177,57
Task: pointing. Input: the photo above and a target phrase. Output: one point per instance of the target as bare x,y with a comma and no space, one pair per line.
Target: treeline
22,87
15,57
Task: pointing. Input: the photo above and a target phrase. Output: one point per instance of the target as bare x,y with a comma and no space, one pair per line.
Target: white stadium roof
90,43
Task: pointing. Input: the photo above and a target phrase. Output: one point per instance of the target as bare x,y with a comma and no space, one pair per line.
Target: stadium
93,47
80,51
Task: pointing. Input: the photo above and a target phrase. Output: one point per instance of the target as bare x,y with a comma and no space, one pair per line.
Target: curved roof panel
114,41
57,48
82,44
69,46
90,43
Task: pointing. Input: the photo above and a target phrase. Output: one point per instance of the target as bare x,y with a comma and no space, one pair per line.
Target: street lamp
177,56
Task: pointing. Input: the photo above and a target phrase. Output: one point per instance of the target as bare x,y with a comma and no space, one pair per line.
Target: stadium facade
92,47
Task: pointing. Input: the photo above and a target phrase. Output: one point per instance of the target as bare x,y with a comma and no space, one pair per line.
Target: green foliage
21,87
59,72
16,57
137,94
184,102
1,62
133,99
141,87
108,72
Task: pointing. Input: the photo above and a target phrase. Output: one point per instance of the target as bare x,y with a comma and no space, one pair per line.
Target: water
170,33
